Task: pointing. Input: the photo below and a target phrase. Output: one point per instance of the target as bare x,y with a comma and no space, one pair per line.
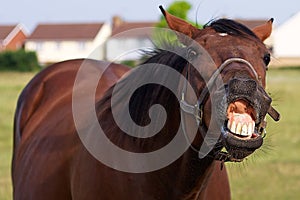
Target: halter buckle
195,110
199,114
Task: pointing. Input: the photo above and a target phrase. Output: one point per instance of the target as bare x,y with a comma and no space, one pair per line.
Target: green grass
274,171
11,84
271,173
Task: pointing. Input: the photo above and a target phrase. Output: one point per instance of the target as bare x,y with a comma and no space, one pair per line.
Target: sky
31,12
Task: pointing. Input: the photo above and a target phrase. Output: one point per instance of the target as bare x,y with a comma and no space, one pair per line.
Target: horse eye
267,59
192,54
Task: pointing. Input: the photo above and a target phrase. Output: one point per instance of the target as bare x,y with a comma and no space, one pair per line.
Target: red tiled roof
127,26
65,31
5,31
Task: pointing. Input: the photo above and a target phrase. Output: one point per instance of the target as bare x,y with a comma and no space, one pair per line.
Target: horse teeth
233,127
250,128
244,130
238,129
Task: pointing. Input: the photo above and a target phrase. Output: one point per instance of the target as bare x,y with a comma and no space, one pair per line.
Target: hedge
19,60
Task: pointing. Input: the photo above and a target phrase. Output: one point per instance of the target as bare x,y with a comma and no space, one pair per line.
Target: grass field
274,171
271,173
11,83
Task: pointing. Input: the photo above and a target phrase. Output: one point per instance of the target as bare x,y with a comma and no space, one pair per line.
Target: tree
161,37
179,9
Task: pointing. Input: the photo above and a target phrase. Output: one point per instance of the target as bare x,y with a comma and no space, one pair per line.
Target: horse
215,116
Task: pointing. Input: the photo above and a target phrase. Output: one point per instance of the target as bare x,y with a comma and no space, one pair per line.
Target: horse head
233,104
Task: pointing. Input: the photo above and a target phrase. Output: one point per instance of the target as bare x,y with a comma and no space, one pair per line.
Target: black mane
230,27
151,94
171,55
145,97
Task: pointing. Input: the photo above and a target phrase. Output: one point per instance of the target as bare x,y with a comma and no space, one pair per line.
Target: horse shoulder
44,128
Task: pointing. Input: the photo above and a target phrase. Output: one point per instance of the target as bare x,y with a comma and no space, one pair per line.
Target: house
12,37
58,42
128,39
287,42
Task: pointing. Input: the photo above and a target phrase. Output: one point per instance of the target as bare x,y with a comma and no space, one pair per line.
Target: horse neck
191,172
190,175
184,177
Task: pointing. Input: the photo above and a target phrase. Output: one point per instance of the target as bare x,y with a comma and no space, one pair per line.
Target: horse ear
264,31
179,25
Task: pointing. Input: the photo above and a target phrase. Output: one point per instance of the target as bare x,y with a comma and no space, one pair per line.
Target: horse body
48,98
52,161
67,170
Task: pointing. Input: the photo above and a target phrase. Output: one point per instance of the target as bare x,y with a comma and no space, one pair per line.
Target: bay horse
51,158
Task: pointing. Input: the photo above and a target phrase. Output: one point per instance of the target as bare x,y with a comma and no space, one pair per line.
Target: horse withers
57,153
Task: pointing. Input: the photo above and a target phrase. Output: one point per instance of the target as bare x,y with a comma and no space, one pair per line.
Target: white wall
119,49
98,47
56,51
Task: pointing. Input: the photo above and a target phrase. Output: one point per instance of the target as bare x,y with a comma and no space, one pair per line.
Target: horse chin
239,132
240,147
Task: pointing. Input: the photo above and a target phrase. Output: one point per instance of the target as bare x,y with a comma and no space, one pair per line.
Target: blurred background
34,34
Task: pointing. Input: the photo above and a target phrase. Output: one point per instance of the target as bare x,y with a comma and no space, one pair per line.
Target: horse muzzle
242,113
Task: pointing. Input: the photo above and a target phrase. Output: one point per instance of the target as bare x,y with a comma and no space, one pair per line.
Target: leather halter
197,109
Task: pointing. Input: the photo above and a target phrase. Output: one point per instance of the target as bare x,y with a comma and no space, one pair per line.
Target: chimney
117,21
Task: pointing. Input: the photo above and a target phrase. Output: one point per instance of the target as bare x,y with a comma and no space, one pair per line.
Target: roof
127,26
251,23
291,23
66,31
5,31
